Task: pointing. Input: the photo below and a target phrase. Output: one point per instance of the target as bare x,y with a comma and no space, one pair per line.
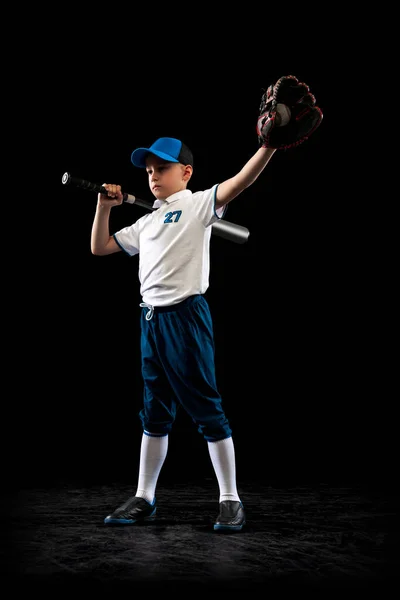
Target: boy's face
166,178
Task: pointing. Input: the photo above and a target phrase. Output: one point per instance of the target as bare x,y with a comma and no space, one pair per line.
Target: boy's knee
215,432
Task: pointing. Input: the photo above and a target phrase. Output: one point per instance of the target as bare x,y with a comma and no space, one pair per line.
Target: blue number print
169,217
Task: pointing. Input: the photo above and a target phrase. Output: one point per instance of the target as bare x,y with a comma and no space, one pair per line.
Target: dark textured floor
316,536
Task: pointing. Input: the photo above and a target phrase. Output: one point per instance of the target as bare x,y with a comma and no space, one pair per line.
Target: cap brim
138,156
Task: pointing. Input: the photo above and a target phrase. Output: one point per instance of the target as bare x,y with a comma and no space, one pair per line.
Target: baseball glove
288,114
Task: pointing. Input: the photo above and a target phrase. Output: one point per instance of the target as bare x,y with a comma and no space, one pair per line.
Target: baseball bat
225,229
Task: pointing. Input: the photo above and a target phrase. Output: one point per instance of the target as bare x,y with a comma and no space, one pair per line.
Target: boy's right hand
114,196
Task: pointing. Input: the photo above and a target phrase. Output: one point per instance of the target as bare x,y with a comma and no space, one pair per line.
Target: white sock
152,455
222,454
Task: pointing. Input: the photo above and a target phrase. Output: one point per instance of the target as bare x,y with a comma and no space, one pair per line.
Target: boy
177,344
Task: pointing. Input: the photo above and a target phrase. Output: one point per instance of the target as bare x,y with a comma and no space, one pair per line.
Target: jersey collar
172,198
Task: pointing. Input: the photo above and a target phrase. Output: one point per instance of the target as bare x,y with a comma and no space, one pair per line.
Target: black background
297,310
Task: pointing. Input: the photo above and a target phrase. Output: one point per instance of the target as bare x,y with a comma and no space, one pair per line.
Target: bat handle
68,179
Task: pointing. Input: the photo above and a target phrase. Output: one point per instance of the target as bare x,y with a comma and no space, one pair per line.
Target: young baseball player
177,343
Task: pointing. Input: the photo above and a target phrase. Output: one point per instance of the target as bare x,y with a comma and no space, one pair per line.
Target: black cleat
231,516
133,510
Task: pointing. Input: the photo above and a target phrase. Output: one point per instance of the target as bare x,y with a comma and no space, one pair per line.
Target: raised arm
288,115
229,189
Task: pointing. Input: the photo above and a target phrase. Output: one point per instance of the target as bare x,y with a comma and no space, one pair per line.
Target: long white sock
222,454
152,456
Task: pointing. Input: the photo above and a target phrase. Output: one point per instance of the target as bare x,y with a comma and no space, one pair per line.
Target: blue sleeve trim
215,200
122,248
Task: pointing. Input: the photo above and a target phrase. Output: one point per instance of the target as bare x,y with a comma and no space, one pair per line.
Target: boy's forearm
254,167
100,229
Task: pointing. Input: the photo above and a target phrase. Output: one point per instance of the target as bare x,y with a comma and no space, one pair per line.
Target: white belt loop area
150,312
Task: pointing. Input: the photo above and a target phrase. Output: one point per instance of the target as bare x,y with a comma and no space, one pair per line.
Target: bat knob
66,178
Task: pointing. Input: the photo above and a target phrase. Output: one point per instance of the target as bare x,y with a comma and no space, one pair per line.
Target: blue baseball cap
169,149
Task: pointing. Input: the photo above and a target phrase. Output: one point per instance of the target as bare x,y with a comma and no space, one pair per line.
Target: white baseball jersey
173,243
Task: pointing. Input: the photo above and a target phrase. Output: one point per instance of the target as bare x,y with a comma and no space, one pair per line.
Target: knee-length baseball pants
178,367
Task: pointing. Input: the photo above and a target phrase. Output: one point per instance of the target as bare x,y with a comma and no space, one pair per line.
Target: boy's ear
187,173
